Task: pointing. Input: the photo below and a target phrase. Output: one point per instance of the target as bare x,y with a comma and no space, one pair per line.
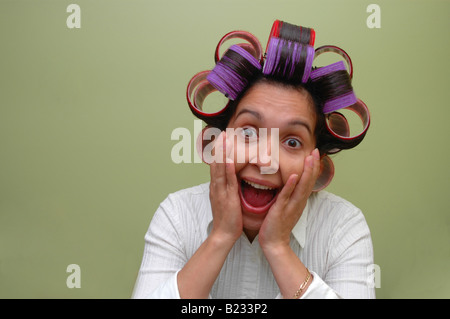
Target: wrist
276,250
220,239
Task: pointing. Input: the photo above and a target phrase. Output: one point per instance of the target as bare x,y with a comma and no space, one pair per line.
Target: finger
232,181
219,148
230,167
316,170
229,148
217,167
313,166
311,170
287,190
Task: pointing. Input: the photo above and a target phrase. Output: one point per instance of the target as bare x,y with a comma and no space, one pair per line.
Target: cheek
290,165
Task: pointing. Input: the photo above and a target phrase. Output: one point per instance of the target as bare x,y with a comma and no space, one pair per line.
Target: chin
252,223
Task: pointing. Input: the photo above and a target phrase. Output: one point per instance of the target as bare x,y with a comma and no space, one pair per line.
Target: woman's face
269,158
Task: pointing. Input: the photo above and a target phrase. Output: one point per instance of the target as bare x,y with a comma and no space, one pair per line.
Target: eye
293,143
249,133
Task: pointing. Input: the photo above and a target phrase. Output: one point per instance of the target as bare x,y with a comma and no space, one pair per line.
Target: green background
86,117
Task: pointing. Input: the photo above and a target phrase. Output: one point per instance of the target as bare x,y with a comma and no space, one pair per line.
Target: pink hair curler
335,49
326,174
336,126
197,91
253,46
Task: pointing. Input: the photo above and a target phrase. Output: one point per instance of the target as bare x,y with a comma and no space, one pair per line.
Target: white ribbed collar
299,230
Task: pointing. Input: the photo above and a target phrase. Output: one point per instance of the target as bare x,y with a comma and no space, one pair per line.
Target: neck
251,234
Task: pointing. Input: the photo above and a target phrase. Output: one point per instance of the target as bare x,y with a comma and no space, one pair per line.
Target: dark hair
288,63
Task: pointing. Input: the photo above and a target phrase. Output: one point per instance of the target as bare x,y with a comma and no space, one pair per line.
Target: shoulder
187,206
196,197
336,218
179,225
329,206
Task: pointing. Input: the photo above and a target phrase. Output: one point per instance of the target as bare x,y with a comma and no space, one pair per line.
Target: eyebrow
254,113
290,123
301,123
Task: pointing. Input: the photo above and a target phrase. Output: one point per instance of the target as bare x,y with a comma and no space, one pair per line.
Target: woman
262,227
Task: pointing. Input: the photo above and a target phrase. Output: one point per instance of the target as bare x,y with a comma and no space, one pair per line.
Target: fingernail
316,154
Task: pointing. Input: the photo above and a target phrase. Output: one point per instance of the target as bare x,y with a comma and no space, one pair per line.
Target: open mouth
257,198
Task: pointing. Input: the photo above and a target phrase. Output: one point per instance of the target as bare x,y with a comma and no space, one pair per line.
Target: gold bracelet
303,285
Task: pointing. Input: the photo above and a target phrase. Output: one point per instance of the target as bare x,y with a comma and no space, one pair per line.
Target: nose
267,158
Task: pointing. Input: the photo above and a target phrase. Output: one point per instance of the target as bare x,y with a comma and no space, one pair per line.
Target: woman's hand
197,277
288,208
224,193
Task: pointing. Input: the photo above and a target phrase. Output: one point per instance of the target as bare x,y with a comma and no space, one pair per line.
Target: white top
331,238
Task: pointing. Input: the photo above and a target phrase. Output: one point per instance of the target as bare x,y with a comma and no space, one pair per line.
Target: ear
326,174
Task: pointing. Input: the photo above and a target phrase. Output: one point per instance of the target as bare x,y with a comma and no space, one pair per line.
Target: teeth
258,186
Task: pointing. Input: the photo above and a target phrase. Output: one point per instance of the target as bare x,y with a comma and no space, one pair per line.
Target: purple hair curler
319,72
339,93
289,60
233,72
340,102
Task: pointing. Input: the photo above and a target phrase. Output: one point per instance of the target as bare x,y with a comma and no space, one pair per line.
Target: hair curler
253,46
341,52
326,174
338,94
234,71
289,52
197,90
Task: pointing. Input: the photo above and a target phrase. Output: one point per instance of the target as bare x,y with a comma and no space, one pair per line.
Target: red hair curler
312,37
253,46
274,33
336,126
197,91
326,174
277,26
335,49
